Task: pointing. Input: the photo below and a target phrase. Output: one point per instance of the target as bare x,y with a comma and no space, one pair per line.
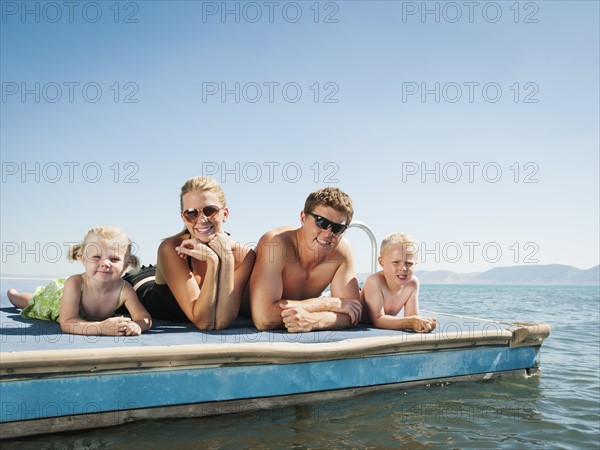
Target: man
294,266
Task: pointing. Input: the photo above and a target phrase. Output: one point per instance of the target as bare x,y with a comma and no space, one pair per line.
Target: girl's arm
140,318
69,314
197,304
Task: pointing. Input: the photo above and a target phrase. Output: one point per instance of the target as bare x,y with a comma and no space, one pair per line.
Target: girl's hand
196,249
115,326
133,329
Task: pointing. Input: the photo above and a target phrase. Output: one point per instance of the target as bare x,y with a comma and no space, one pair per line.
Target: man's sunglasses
324,224
193,214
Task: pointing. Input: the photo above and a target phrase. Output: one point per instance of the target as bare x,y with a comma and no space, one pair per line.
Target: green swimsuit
45,303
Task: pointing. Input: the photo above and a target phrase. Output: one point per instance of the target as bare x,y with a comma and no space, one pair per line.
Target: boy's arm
411,307
374,299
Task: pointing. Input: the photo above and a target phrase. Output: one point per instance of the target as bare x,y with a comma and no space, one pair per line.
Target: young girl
86,303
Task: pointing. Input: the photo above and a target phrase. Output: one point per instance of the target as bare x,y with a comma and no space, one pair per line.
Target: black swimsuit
156,298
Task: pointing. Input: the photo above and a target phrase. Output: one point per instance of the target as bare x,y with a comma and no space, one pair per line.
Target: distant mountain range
549,274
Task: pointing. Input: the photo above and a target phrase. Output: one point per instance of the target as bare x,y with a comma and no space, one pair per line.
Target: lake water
559,408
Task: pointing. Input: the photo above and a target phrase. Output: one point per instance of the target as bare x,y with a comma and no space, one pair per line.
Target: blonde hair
334,198
407,242
201,184
106,233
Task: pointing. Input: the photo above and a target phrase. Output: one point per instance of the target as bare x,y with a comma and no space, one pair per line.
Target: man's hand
297,319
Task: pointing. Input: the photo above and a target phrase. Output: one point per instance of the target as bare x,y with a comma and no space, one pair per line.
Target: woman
201,273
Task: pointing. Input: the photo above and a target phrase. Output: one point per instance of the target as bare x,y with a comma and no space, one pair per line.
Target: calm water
558,409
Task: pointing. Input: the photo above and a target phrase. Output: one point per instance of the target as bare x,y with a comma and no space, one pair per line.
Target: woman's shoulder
172,241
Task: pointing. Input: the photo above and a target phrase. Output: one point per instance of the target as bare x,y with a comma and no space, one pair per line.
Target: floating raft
52,382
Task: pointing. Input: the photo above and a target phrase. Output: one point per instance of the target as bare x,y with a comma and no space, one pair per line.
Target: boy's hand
422,324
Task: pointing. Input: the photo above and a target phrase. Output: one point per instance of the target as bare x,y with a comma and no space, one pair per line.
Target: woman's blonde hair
201,184
106,233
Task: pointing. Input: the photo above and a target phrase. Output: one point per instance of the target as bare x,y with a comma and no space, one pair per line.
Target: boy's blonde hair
407,242
334,198
106,233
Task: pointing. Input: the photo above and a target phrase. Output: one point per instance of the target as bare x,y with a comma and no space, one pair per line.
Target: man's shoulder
282,234
344,249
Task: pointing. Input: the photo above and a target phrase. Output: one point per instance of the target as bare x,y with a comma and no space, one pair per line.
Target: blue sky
476,131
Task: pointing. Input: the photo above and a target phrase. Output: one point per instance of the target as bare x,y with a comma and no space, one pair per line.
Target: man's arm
266,283
342,310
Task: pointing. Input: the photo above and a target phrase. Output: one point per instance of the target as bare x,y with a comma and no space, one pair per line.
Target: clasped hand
218,248
120,326
196,249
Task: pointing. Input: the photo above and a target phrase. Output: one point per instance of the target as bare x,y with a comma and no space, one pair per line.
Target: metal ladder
363,226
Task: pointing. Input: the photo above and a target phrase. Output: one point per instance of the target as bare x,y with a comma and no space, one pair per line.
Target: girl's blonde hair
106,233
405,240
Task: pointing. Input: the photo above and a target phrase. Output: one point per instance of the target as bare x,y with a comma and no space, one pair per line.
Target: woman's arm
233,277
197,304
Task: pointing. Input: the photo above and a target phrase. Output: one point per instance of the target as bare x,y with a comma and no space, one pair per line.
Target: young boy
385,293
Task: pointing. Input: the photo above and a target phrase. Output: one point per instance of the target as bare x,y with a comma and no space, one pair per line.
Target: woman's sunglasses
193,214
324,224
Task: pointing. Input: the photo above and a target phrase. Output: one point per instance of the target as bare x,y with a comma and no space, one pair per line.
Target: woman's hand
221,244
196,249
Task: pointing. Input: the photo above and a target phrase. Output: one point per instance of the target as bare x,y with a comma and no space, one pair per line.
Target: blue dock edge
51,382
